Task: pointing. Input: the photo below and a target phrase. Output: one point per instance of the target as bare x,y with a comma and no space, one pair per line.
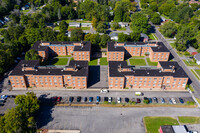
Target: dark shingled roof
160,48
44,70
114,65
167,129
86,45
113,48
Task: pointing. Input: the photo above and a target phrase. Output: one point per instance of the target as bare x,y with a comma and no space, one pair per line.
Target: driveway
107,120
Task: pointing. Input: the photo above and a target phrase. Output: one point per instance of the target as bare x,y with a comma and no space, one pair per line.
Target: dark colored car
162,100
138,100
90,99
155,100
105,98
59,99
78,99
85,99
126,99
170,101
181,100
150,100
71,99
98,99
54,99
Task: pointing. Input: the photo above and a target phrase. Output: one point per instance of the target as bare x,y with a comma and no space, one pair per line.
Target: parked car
78,98
110,99
155,100
181,100
104,91
150,100
162,100
85,99
138,93
170,101
105,98
90,99
118,100
4,97
71,99
138,100
54,99
59,99
126,100
173,101
98,99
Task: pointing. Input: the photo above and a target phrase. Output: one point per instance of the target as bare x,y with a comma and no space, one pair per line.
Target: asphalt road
195,82
107,120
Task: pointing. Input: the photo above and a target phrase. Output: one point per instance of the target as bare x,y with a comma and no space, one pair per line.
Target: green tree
139,23
114,25
94,22
135,36
63,26
32,55
165,8
76,34
93,38
104,39
168,29
183,38
154,6
123,37
62,37
155,18
101,27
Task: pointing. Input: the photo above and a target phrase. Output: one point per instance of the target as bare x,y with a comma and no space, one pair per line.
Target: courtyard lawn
93,62
152,63
59,61
103,61
190,63
85,28
137,62
152,124
137,57
189,120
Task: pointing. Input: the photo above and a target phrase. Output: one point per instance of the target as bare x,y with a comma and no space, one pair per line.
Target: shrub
132,102
113,102
146,101
190,102
105,102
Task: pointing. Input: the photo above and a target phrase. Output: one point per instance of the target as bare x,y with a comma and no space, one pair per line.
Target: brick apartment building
116,51
79,50
167,75
31,74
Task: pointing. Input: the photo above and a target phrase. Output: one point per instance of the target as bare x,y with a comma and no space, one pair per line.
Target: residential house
123,24
197,58
74,24
114,36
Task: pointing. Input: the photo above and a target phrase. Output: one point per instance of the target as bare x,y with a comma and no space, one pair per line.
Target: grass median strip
152,124
195,74
189,120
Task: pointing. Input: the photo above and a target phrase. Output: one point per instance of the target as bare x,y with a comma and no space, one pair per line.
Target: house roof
160,48
156,72
74,23
113,48
53,70
167,129
197,57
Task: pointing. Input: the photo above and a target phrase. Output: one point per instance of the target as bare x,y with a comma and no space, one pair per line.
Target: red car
58,99
54,99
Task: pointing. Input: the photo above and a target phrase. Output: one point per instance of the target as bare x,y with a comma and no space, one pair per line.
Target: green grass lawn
137,57
195,74
56,28
190,63
198,71
71,27
152,37
93,62
153,123
25,11
137,62
166,17
103,61
121,29
59,61
152,63
173,45
68,21
189,120
85,28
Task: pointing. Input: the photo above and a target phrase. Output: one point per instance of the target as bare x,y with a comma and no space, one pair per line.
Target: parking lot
9,103
101,119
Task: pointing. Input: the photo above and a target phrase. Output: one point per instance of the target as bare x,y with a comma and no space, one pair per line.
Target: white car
104,91
110,99
173,101
118,100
